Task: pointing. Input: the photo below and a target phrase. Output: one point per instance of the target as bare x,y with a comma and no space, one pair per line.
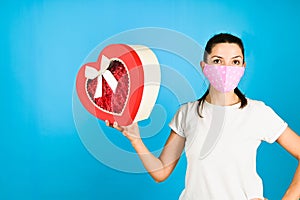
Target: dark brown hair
216,39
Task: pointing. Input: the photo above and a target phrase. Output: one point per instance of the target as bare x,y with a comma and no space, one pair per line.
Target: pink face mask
223,78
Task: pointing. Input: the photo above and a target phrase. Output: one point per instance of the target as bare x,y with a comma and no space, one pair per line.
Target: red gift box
122,85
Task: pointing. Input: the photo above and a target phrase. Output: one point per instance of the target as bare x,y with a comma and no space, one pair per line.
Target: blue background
42,46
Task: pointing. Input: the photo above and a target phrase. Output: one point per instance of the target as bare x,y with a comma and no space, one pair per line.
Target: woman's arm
159,168
291,142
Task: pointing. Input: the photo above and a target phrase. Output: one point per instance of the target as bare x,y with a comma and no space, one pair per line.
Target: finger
107,123
116,126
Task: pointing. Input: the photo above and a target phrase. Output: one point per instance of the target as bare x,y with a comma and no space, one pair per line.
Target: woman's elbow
159,176
159,180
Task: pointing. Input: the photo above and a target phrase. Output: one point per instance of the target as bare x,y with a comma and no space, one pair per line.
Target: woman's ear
244,65
202,64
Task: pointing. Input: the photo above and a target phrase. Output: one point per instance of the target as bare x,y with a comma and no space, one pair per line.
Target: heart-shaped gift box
122,85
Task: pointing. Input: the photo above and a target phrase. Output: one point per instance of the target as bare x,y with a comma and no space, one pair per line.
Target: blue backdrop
42,46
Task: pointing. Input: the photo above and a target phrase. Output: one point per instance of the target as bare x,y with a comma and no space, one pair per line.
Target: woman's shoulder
189,105
254,103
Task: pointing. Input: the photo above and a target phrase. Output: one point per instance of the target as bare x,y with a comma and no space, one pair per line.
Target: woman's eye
236,62
217,61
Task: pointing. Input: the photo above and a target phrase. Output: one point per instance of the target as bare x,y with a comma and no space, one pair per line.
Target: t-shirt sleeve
270,125
177,123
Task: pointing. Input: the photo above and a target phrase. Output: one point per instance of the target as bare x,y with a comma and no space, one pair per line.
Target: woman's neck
221,99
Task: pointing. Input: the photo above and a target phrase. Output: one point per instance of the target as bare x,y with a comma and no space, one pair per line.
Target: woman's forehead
226,50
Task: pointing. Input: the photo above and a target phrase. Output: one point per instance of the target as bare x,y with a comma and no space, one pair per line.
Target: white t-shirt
221,148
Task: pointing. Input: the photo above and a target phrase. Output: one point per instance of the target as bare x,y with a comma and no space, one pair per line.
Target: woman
220,134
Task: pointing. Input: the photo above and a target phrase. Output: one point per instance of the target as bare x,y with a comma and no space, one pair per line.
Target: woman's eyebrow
217,56
236,57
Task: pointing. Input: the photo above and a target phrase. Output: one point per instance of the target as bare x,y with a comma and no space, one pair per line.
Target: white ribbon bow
92,73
